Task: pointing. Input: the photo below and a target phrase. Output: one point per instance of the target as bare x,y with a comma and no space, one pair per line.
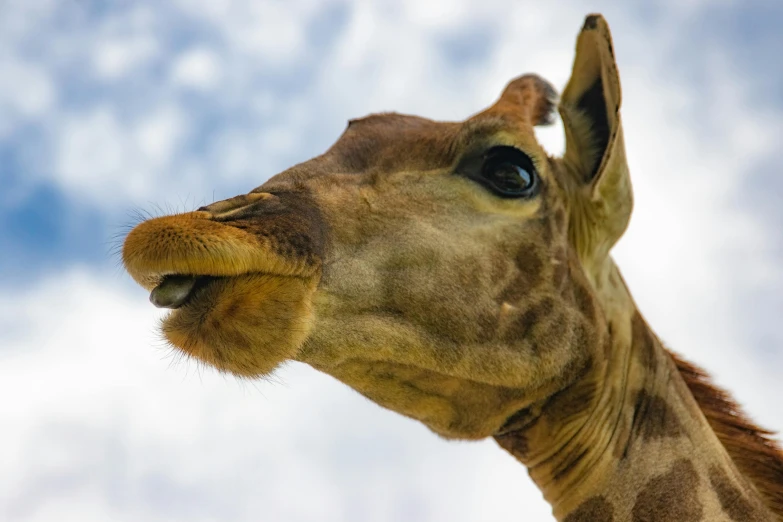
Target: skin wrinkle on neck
592,422
609,447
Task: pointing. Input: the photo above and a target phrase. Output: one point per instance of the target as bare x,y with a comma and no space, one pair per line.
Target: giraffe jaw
246,325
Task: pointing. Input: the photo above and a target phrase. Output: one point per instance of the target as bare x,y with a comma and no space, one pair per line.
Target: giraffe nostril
235,204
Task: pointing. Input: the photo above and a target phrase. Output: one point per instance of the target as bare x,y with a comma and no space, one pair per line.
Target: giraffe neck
627,441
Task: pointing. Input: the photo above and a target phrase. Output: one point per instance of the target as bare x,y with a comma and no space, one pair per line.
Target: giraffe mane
756,454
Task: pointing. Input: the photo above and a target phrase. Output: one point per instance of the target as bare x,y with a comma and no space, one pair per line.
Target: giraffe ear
595,153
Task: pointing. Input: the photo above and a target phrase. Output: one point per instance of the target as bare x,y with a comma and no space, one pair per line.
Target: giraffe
455,273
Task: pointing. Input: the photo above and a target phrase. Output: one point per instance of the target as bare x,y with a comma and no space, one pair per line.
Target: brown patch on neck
671,497
653,418
733,501
757,456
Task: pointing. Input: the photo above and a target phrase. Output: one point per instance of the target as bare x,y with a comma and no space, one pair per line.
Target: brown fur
395,263
756,454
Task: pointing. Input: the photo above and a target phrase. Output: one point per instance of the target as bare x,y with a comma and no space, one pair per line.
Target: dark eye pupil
504,170
509,173
509,177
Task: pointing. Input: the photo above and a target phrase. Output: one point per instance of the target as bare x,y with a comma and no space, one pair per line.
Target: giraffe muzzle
238,277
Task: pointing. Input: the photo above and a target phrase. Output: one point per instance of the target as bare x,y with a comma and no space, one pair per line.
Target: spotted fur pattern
388,263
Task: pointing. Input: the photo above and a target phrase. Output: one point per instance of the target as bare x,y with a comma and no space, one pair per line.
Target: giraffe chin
245,325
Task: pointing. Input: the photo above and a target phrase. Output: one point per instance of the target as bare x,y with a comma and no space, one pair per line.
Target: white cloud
93,147
26,92
25,87
437,13
197,68
108,159
158,135
115,58
270,32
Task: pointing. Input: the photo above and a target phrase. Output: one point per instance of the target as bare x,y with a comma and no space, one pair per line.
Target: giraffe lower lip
175,290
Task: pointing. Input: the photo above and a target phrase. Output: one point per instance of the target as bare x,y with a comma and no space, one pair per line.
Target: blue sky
111,107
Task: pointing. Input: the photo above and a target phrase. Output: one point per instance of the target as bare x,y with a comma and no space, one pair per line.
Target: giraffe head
446,271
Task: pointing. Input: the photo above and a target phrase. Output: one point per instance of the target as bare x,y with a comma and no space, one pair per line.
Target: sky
110,108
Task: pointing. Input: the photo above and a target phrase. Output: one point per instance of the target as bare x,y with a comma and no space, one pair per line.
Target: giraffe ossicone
455,273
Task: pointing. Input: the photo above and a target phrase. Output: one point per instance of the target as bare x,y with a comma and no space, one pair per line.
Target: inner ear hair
592,104
591,101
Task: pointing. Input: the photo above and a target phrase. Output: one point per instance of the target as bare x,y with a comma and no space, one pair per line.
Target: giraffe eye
509,173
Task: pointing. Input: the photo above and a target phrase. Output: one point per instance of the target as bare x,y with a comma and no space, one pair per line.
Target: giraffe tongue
173,291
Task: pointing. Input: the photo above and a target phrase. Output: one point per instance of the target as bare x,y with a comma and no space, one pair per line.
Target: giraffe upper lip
195,245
